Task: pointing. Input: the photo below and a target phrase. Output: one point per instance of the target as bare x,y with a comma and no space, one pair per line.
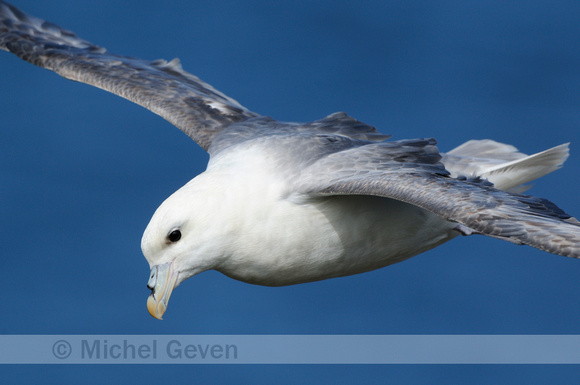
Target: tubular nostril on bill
152,278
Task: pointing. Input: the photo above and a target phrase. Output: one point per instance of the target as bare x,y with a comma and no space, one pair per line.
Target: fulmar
284,203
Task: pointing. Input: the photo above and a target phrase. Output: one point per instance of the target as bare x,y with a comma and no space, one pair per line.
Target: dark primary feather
163,87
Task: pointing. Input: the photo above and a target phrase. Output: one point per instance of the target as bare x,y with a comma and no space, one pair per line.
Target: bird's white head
181,240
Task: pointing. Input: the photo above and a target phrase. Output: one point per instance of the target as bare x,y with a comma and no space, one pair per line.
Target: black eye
174,236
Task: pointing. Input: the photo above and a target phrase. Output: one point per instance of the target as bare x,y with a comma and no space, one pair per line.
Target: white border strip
290,349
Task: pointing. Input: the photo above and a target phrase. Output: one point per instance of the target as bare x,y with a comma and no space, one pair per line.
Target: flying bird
284,203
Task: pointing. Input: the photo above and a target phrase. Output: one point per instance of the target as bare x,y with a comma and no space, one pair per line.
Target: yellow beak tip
156,309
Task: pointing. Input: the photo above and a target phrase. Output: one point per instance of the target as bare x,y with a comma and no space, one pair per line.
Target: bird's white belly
329,237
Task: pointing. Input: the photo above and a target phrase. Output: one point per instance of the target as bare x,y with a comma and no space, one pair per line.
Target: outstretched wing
163,87
410,171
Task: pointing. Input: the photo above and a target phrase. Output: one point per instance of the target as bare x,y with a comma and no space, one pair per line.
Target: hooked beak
161,282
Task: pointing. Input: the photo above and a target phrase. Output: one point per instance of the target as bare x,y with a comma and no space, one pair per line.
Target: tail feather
502,164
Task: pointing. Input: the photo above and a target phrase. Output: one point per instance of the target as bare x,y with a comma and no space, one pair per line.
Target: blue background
82,171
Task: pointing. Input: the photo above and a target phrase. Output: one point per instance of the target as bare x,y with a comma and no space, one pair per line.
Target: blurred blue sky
82,171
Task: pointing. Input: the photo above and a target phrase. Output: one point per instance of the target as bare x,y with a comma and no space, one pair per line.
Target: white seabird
286,203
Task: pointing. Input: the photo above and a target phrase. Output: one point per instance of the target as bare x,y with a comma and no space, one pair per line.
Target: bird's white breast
277,238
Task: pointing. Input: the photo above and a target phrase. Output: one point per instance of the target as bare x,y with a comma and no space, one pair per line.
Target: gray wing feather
410,171
341,124
318,138
163,87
